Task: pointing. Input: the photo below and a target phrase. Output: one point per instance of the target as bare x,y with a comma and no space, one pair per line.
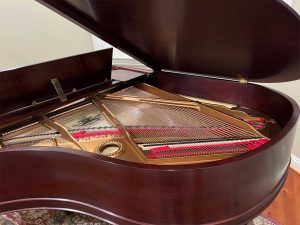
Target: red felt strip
252,143
258,124
86,134
193,153
166,151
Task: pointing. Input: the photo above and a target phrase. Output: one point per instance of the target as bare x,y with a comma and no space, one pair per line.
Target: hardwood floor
286,207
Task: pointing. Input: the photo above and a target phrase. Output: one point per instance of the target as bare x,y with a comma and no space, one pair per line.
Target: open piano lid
257,39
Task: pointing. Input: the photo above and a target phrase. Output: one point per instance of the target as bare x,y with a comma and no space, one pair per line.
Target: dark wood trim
20,87
241,37
102,214
229,191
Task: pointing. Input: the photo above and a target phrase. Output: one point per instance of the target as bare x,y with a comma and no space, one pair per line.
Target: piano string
161,127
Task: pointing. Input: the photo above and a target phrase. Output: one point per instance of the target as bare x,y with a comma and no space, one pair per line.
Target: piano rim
274,148
283,132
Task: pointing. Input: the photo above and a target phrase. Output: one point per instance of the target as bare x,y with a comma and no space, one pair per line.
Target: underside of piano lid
258,40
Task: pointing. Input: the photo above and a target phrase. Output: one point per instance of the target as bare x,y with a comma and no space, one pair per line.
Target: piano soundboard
141,123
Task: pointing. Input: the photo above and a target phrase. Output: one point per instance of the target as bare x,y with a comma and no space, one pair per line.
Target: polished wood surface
20,87
244,41
221,38
231,191
285,208
79,76
250,95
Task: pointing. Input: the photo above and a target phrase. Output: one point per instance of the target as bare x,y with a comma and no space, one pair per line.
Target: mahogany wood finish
258,39
20,87
230,191
253,96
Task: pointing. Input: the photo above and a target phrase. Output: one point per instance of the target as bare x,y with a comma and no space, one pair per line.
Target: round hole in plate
111,148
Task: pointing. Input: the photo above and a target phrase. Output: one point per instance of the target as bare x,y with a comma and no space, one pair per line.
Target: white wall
290,2
31,33
296,5
100,44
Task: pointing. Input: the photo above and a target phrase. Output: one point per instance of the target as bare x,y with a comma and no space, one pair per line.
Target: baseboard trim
295,163
126,62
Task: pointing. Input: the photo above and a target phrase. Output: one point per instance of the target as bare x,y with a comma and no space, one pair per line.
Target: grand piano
192,142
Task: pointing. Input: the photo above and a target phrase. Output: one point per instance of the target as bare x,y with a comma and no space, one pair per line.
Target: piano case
197,50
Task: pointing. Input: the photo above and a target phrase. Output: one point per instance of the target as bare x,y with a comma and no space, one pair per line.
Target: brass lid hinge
242,79
59,90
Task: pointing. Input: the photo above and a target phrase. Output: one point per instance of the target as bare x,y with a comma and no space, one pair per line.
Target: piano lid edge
231,42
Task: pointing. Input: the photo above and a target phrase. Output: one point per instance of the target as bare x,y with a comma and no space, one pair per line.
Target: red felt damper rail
258,124
87,134
207,149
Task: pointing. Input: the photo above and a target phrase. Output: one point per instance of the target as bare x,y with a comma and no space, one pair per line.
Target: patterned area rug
56,217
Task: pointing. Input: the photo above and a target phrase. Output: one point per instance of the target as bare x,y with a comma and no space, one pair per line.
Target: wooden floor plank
286,207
